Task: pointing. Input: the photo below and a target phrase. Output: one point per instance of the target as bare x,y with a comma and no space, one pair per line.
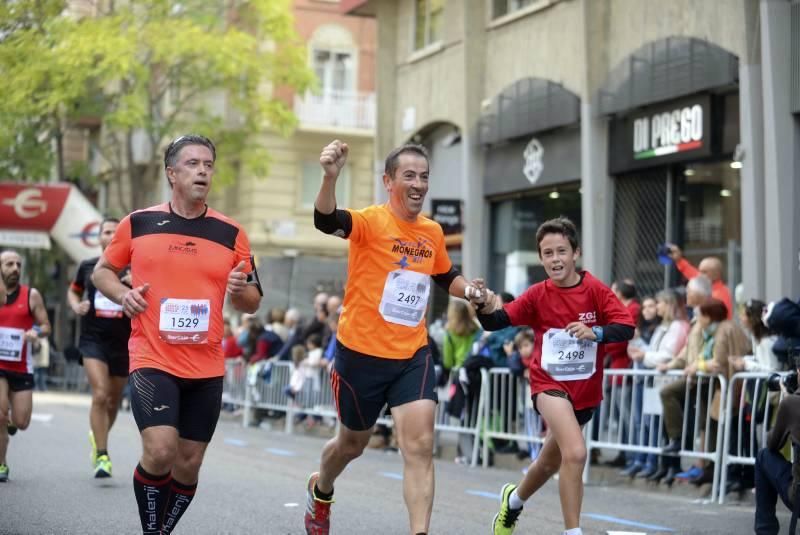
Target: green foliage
157,67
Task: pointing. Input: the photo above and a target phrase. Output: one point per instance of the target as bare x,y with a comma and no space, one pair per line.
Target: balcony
336,110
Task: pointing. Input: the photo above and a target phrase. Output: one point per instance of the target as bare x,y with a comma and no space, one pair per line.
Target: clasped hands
482,298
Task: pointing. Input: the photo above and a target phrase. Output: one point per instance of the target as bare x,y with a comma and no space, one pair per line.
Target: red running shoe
318,512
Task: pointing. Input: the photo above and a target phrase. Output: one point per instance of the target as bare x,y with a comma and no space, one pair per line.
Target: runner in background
104,347
23,320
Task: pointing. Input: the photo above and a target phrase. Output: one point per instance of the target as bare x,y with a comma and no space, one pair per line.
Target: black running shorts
114,355
189,405
583,416
17,382
363,384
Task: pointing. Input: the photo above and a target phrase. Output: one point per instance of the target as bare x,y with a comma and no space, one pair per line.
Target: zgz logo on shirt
587,317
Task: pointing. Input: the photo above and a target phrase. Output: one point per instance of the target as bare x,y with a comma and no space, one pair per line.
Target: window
428,23
504,7
334,69
311,179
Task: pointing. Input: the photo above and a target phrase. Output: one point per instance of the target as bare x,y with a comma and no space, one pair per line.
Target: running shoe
93,453
3,473
506,520
102,468
318,512
12,429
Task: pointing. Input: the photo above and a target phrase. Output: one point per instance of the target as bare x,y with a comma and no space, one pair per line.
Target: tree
147,70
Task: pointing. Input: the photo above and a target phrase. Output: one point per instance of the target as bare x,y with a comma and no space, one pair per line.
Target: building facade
295,260
644,121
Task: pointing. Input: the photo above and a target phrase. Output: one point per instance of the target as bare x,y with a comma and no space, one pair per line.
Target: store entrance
695,205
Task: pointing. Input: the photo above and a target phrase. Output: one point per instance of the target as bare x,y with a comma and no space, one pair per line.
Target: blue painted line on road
484,494
392,475
236,442
278,451
622,521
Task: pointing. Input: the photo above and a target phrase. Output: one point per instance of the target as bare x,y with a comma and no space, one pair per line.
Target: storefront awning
527,106
667,69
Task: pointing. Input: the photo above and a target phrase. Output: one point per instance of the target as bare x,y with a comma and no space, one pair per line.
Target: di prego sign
672,132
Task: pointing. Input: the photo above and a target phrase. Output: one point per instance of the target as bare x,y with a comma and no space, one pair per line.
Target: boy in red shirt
572,314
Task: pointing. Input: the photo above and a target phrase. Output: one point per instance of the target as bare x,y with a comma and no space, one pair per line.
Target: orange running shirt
388,283
187,263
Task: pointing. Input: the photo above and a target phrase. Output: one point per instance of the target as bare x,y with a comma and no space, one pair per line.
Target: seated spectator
294,333
492,343
666,341
461,331
298,377
762,340
720,339
230,347
275,323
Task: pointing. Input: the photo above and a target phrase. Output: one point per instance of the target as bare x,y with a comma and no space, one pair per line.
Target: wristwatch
598,332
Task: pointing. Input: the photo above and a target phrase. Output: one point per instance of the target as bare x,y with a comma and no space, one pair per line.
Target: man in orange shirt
382,356
711,267
184,257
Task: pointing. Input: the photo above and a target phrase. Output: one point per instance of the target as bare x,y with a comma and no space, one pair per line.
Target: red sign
31,207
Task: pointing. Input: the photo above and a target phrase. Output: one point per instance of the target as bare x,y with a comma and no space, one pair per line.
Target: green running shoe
93,453
102,468
3,473
506,520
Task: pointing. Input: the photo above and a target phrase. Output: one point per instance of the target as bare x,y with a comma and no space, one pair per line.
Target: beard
10,280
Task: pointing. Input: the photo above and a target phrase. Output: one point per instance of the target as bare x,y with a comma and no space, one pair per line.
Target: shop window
427,23
310,182
709,200
504,7
515,263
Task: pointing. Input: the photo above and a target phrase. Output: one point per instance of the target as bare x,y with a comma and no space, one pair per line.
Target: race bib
105,307
11,343
184,321
566,358
405,297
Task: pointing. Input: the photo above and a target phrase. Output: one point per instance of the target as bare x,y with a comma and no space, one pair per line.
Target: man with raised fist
382,355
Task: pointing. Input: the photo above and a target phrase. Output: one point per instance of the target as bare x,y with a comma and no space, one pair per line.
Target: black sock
102,452
151,494
180,496
324,496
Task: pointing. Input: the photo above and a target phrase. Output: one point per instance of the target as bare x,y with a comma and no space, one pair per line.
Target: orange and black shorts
363,384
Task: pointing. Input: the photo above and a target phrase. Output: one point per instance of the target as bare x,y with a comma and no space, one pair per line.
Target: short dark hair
523,335
108,219
560,225
393,159
715,310
314,339
626,288
172,150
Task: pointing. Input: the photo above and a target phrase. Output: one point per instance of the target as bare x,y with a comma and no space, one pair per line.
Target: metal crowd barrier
263,386
509,412
749,411
631,414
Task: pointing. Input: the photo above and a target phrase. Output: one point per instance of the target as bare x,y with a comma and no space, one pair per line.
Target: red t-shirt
546,306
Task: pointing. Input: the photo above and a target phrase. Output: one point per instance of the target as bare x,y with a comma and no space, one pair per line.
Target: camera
789,382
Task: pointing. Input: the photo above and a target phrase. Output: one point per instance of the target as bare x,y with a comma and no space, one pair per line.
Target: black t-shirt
105,321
